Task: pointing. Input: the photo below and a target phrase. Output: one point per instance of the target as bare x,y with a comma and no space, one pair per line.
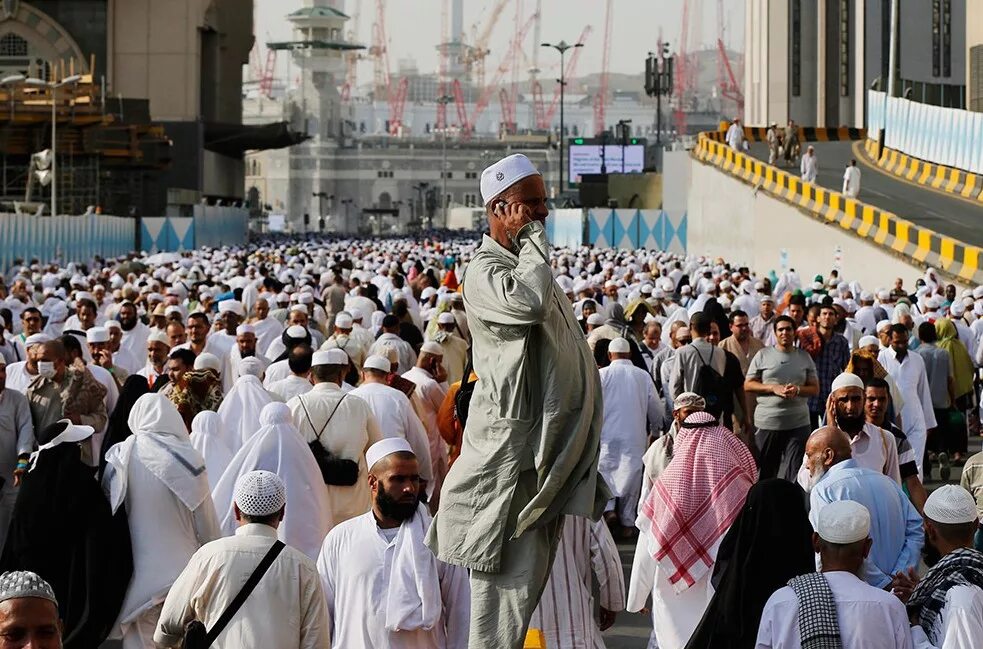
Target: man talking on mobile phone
531,441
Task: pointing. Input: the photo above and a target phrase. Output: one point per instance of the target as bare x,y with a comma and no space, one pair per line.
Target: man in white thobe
809,167
390,337
427,399
341,423
384,588
289,590
299,381
158,347
908,371
851,180
630,402
267,329
455,348
162,480
735,135
245,347
865,616
135,333
566,610
394,412
947,603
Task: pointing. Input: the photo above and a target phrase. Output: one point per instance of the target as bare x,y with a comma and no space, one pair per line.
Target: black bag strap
330,417
247,589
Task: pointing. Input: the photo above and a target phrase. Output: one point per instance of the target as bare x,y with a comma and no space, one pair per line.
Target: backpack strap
247,590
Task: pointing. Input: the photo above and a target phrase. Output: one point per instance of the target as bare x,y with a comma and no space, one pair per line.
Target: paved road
954,217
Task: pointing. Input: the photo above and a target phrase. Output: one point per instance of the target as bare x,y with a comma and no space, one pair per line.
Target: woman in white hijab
241,408
278,447
209,439
161,479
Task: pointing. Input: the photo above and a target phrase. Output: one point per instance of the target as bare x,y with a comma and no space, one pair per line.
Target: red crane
462,111
266,82
508,111
727,82
444,55
601,98
682,72
568,73
503,68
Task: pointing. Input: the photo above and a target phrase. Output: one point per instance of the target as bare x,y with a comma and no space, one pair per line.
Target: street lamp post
562,48
346,202
53,87
658,82
444,99
623,131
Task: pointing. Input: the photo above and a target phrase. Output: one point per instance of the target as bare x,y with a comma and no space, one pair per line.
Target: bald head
825,448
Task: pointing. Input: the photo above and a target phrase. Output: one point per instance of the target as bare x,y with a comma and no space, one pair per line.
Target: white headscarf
209,439
241,408
278,447
160,441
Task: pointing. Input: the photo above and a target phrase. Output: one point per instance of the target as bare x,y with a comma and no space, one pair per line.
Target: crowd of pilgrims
766,442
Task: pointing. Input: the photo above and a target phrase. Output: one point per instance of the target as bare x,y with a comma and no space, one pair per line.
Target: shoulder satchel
462,400
335,471
195,635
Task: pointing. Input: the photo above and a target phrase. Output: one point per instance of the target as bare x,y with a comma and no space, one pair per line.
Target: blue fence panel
217,226
63,239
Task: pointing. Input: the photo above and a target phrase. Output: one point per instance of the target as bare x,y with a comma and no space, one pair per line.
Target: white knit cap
296,332
619,346
343,320
97,335
385,447
245,329
158,336
883,325
207,361
595,319
846,380
843,522
21,583
431,347
446,318
260,493
329,357
503,174
376,362
866,341
231,306
113,324
951,504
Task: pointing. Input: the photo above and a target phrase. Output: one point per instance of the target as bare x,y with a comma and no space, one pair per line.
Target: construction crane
379,52
266,81
727,82
601,98
352,57
682,72
503,68
513,94
547,114
444,55
474,54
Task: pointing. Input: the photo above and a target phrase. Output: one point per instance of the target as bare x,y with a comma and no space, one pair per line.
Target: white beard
814,479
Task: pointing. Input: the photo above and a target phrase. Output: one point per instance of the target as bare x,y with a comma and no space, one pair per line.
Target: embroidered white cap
245,329
951,504
207,361
619,346
846,380
446,318
343,321
329,357
376,362
97,335
260,493
503,174
430,347
843,522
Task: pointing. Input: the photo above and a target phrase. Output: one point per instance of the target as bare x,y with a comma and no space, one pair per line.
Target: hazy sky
413,28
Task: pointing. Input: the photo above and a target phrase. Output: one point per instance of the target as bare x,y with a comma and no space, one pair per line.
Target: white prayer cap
282,297
767,298
431,347
457,297
867,341
305,298
252,366
503,174
686,290
951,504
377,362
207,361
883,325
883,295
231,306
385,447
245,329
978,292
22,583
158,336
296,331
344,321
260,493
97,335
113,324
299,307
689,400
846,380
843,522
446,318
866,296
619,346
595,319
172,309
932,303
329,357
957,309
36,339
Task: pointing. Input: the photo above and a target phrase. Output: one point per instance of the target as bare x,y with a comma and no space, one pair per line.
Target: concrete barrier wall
730,219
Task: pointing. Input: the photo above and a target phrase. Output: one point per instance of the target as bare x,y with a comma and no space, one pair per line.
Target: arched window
385,201
12,45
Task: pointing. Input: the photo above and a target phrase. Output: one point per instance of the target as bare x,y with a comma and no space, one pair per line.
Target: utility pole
658,82
892,58
562,48
444,100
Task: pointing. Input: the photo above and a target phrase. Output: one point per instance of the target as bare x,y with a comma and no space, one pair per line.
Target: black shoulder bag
462,400
335,471
195,635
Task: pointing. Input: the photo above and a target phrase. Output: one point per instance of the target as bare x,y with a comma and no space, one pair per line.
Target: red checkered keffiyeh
696,498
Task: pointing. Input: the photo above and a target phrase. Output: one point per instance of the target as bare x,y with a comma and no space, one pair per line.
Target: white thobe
135,340
869,618
351,431
289,594
276,372
407,357
675,616
866,319
959,626
630,400
455,356
565,613
222,342
851,182
18,378
355,564
427,400
127,360
289,387
809,168
917,414
231,367
394,412
735,137
150,373
267,330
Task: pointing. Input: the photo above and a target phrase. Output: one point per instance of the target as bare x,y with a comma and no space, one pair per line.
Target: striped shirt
566,610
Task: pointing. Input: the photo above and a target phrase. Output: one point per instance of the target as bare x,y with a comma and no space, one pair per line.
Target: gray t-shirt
773,366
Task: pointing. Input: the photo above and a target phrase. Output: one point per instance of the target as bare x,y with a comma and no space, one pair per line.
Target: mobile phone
500,207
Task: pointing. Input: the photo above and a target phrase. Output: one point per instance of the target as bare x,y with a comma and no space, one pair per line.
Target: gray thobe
16,438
